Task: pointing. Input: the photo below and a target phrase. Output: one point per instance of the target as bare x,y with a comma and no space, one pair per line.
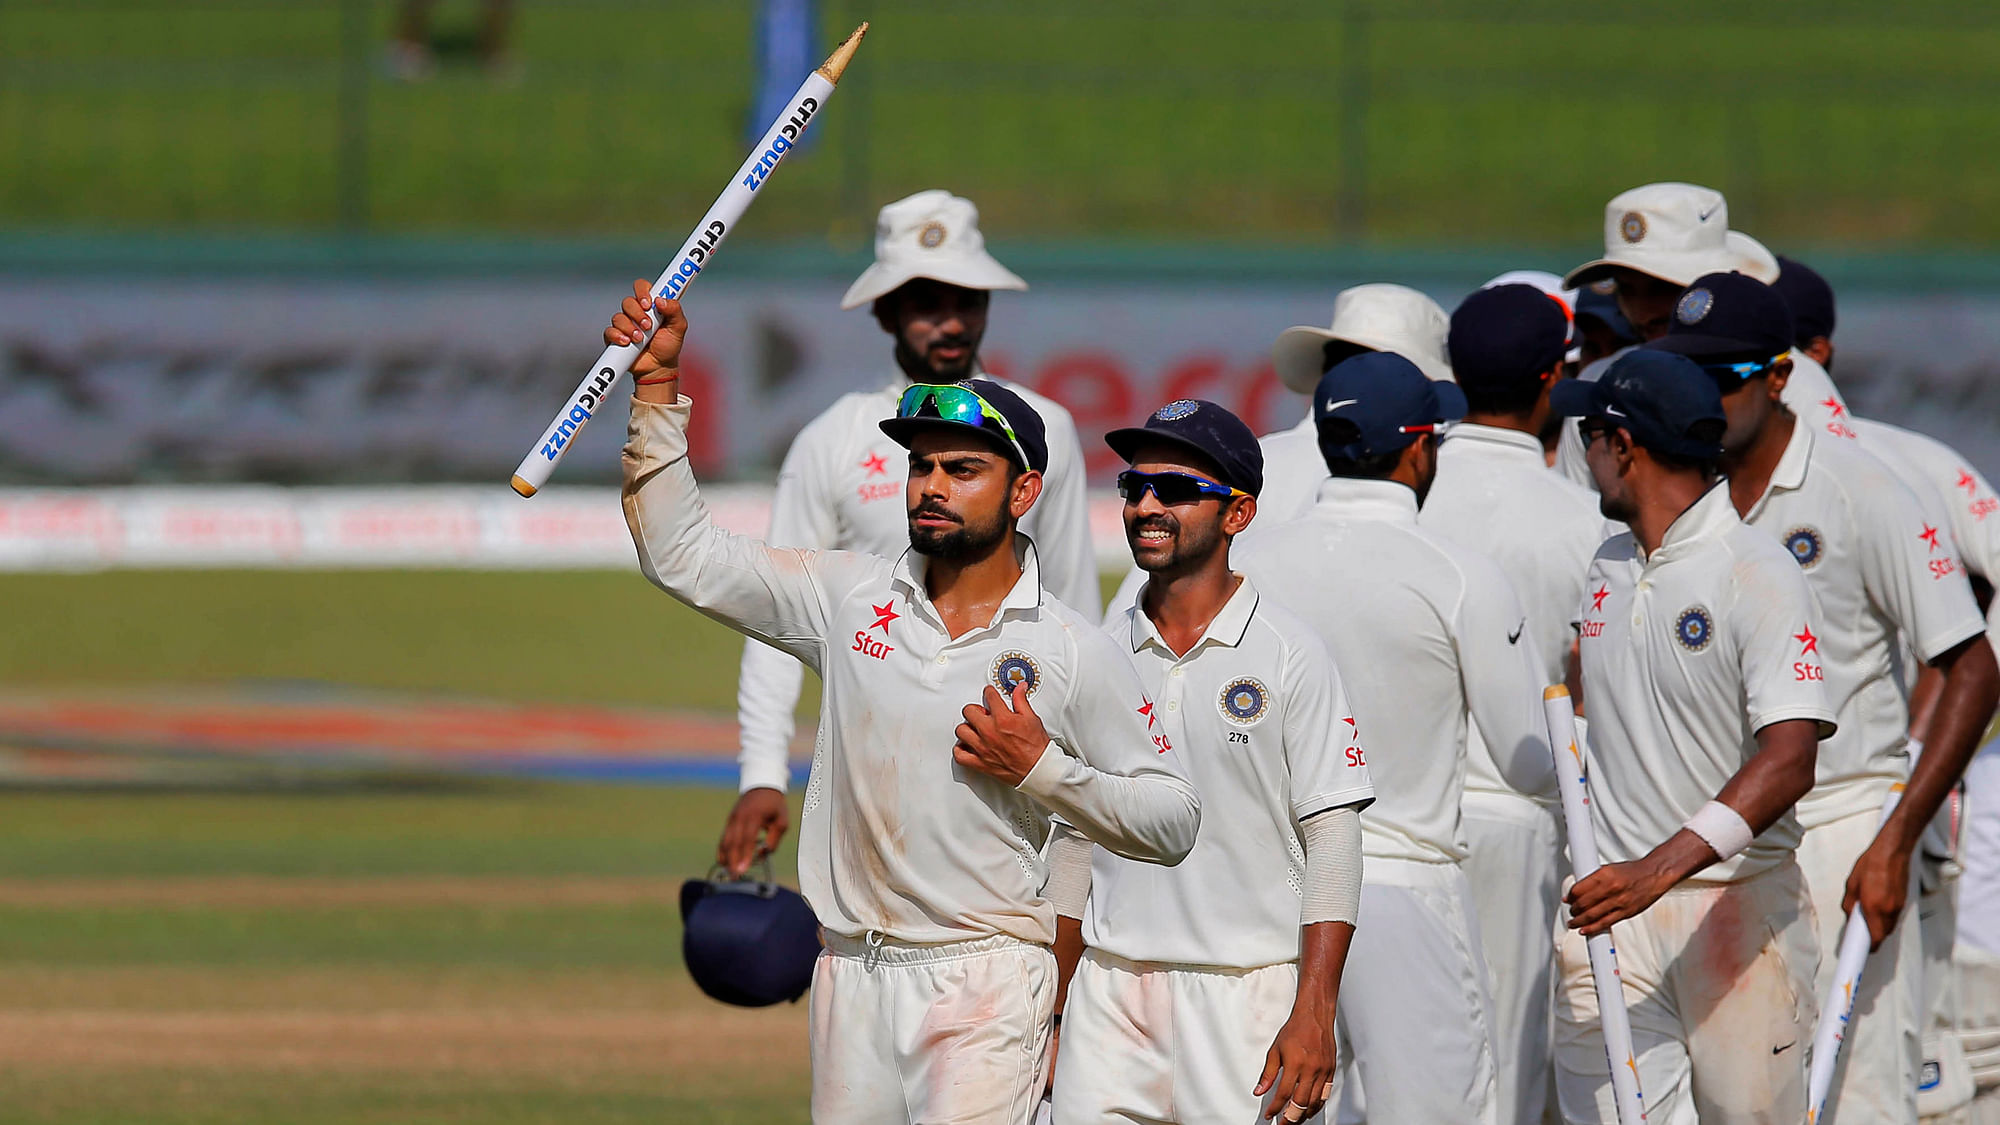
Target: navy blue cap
1206,428
1363,405
748,943
1506,336
1726,318
1810,299
1602,304
1668,403
1027,424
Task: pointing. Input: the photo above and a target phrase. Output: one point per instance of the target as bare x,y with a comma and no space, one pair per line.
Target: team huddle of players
1280,838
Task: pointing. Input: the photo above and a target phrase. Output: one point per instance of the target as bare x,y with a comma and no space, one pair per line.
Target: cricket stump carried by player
783,135
1837,1006
1570,776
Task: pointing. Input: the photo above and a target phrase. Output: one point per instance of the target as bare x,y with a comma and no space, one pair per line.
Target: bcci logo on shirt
1245,700
1804,544
1012,669
1693,629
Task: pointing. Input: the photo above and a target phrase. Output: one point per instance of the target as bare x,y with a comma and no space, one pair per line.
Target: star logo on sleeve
1597,597
876,465
1835,407
1930,536
1807,642
1146,709
883,615
1967,482
1353,731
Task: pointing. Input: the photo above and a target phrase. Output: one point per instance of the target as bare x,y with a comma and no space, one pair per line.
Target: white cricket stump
1573,780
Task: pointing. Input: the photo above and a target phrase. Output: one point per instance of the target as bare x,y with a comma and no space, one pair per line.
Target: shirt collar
1226,628
1386,500
1706,518
1492,439
1026,594
1790,471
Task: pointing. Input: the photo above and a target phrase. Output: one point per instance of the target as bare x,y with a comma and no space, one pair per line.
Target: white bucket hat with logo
932,234
1379,317
1675,232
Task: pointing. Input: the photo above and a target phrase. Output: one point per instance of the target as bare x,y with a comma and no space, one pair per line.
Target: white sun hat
932,234
1379,317
1675,232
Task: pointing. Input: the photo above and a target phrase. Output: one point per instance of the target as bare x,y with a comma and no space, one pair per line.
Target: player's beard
1184,549
935,369
971,539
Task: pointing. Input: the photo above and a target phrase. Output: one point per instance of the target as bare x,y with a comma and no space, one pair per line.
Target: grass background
1438,122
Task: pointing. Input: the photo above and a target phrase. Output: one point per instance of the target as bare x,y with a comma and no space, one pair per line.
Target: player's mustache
1154,523
950,342
929,509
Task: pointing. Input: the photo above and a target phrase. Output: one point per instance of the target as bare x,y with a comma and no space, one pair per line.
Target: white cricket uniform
1192,969
1495,494
933,998
1429,639
1937,472
1687,653
1293,470
842,488
1881,573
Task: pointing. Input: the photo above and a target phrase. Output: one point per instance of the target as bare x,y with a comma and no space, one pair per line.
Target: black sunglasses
1172,488
1729,376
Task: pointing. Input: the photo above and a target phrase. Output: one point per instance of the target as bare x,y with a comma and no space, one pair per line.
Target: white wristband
1722,828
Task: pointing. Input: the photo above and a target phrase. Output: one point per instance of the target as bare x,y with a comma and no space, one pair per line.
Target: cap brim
1576,398
1740,254
1299,356
981,271
1752,258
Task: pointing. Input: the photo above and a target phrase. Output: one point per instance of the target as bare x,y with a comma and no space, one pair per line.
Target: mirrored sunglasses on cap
951,402
1729,376
1172,488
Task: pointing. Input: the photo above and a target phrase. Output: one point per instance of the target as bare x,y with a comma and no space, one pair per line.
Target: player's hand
999,740
636,316
1298,1069
1615,892
753,830
1880,886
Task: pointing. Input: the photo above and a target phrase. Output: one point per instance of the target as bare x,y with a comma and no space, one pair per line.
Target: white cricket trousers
1145,1043
1875,1080
1415,1011
1718,984
1513,866
952,1034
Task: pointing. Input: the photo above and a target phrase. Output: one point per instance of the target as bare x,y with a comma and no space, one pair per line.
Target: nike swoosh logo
1516,634
1703,216
1786,1047
1333,406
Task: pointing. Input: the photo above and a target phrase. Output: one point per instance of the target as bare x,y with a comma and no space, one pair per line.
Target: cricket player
1495,494
939,759
1377,317
1878,569
1657,239
1707,701
1430,640
1209,985
841,487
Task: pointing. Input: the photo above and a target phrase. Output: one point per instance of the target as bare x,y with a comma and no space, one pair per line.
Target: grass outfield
1824,121
504,954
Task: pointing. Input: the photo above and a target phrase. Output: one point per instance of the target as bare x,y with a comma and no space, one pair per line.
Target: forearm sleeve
1333,867
1068,885
1150,816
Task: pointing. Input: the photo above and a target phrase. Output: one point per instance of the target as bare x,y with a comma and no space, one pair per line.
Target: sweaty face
1173,539
1647,302
938,328
959,494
